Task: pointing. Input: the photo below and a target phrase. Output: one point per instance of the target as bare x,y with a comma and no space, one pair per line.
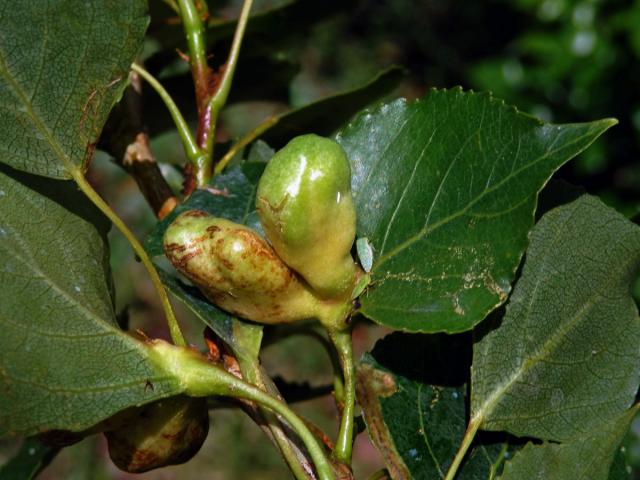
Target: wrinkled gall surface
237,270
306,208
167,432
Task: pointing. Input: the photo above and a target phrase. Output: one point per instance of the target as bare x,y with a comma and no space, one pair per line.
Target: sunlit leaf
445,190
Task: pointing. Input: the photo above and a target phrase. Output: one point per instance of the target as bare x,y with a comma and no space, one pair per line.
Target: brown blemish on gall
227,263
181,262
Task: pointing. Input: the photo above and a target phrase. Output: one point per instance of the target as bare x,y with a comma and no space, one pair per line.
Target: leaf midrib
430,228
533,359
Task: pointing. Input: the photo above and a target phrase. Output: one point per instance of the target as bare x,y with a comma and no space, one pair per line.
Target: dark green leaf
445,190
64,364
230,196
565,357
327,115
412,391
244,338
260,152
63,65
620,469
587,457
30,460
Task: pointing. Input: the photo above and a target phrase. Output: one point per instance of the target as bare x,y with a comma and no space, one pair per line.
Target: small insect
365,253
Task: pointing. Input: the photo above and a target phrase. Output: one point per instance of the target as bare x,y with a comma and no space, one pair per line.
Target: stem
194,31
140,163
469,435
323,467
344,443
189,144
244,141
87,189
338,385
172,5
381,474
498,463
202,379
219,98
250,371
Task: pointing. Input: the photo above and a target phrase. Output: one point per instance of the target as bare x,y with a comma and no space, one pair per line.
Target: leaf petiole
200,378
194,154
469,435
219,98
88,190
251,372
244,141
344,443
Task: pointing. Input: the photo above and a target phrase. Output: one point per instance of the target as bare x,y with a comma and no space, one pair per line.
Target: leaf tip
609,122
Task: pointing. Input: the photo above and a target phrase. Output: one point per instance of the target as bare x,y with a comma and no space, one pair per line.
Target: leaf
620,470
31,459
260,152
326,115
244,338
63,65
231,196
445,189
412,391
566,356
64,363
588,457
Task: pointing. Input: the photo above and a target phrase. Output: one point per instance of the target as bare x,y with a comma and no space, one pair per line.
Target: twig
140,163
125,139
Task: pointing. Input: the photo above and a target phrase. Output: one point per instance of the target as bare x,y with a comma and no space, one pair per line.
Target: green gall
236,269
166,432
306,208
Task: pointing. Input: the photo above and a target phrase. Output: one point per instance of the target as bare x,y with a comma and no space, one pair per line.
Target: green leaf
326,115
412,391
63,65
31,459
620,469
64,364
566,356
230,196
588,457
243,338
445,189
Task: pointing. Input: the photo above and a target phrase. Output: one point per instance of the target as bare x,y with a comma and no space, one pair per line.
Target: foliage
516,351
